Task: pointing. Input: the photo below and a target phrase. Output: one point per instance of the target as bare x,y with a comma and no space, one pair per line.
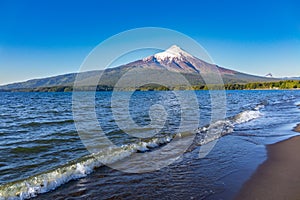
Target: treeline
64,89
287,84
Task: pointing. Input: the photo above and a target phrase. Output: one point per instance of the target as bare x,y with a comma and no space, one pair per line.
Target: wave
80,168
220,128
213,131
50,180
246,116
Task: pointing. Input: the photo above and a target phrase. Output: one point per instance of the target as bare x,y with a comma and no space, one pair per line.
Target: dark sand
279,176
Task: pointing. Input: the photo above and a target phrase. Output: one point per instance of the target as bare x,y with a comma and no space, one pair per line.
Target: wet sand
279,176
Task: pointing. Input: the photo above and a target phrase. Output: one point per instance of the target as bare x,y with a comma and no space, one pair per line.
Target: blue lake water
43,156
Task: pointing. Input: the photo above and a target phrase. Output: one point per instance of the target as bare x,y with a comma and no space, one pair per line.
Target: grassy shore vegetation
286,84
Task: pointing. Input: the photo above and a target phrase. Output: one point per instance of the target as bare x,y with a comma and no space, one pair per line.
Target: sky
46,38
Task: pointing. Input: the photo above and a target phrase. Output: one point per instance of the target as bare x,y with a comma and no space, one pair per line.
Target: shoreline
42,90
279,176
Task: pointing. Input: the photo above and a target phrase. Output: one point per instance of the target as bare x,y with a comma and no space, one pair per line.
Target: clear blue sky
43,38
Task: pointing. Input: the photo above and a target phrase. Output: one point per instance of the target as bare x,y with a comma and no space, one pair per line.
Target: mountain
269,75
174,59
291,78
177,60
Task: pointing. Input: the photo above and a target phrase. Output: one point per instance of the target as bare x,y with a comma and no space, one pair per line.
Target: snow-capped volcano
177,60
174,52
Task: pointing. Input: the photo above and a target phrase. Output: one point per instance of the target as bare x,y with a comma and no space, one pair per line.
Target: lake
43,155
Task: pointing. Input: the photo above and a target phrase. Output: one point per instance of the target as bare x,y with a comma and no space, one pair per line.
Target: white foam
48,181
247,116
258,107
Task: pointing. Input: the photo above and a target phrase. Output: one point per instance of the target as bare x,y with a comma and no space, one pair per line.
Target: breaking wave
220,128
50,180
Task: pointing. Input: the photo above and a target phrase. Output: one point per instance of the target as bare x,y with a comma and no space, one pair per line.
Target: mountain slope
173,59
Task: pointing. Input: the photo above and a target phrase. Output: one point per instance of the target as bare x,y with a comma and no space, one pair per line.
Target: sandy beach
279,176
